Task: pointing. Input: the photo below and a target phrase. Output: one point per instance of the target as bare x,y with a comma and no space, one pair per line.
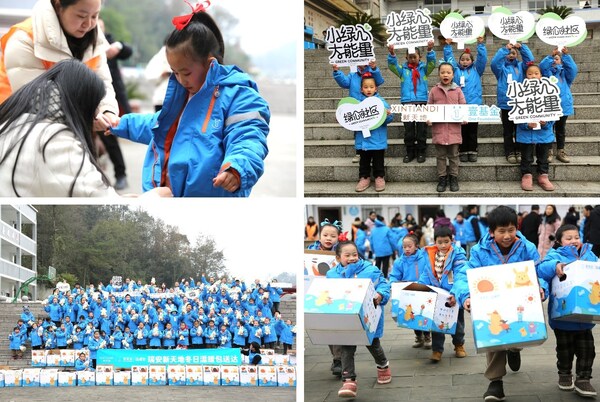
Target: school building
18,249
321,14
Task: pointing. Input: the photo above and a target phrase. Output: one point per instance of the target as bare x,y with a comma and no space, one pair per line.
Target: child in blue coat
351,266
562,66
17,339
467,74
328,236
224,337
269,333
286,331
155,336
503,244
413,90
210,138
383,244
35,336
507,68
211,335
572,338
408,267
372,148
183,336
444,263
196,338
535,138
240,335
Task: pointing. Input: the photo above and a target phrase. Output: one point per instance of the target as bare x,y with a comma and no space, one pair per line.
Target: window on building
539,4
479,9
437,5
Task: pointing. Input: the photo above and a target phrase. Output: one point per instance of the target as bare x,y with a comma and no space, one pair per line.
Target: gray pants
348,352
336,352
449,152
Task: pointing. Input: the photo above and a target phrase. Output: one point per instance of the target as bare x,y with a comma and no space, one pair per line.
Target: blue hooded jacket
378,139
361,238
463,232
364,269
353,81
487,253
408,268
224,125
382,240
407,90
501,68
453,267
526,135
472,75
546,270
566,73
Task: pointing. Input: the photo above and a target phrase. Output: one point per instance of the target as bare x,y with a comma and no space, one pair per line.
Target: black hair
552,217
460,214
200,39
77,46
341,245
79,90
502,216
255,346
532,65
442,231
412,236
440,213
445,63
562,230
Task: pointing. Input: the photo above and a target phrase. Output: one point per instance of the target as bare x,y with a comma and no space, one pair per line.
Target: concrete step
333,131
467,189
316,116
485,170
576,146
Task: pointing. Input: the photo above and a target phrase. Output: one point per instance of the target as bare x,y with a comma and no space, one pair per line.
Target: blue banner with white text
126,358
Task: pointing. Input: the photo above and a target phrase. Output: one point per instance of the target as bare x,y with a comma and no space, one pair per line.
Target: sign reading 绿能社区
513,27
128,358
350,45
409,29
462,30
534,100
552,29
361,116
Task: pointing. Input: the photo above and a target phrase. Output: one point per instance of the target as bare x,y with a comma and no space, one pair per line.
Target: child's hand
464,123
451,301
391,50
543,123
227,180
509,46
372,64
542,294
430,45
467,305
104,121
335,67
555,52
531,125
518,46
480,39
428,122
560,269
377,299
565,50
448,41
389,112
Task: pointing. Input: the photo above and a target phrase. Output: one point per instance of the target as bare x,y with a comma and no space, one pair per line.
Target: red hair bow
343,237
530,63
182,21
367,75
467,50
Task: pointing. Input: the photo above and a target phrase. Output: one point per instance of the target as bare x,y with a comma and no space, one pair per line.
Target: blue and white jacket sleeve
136,127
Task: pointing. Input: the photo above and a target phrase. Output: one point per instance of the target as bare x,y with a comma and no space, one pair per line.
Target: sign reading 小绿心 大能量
512,27
534,100
350,45
462,30
409,29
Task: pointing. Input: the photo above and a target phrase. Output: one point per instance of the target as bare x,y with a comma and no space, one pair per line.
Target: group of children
444,265
221,315
460,83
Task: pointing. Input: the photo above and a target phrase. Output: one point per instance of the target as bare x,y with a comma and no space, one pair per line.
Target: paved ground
147,394
279,179
415,378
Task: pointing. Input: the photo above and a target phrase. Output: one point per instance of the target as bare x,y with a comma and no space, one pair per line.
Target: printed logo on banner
448,113
409,29
350,45
462,30
513,27
361,116
534,100
552,29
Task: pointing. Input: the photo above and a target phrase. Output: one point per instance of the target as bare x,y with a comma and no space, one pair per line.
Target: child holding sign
446,136
563,67
572,338
536,136
413,90
507,68
372,148
467,74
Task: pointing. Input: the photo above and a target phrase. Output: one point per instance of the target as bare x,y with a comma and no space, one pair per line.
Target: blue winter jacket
240,339
501,68
54,311
16,340
285,332
487,253
382,240
223,126
398,232
378,138
82,365
274,293
526,135
353,81
453,267
364,269
407,90
566,73
463,232
547,270
361,238
224,339
317,246
93,346
472,75
408,268
35,338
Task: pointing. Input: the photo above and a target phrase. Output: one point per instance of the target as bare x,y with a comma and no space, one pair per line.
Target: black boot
421,156
442,183
410,155
453,183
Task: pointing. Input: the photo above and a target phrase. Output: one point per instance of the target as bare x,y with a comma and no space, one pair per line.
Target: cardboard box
139,375
506,308
211,375
1,379
267,360
193,375
67,358
38,358
423,307
49,378
316,264
248,376
53,358
577,295
31,377
67,379
86,378
13,378
122,378
230,375
104,375
286,376
268,352
293,357
341,311
282,360
157,375
267,376
176,374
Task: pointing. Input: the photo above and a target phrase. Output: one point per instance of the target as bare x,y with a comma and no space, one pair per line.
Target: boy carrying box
503,244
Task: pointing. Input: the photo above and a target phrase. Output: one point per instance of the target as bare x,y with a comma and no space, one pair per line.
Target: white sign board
555,31
350,45
534,100
462,30
409,29
512,27
361,116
